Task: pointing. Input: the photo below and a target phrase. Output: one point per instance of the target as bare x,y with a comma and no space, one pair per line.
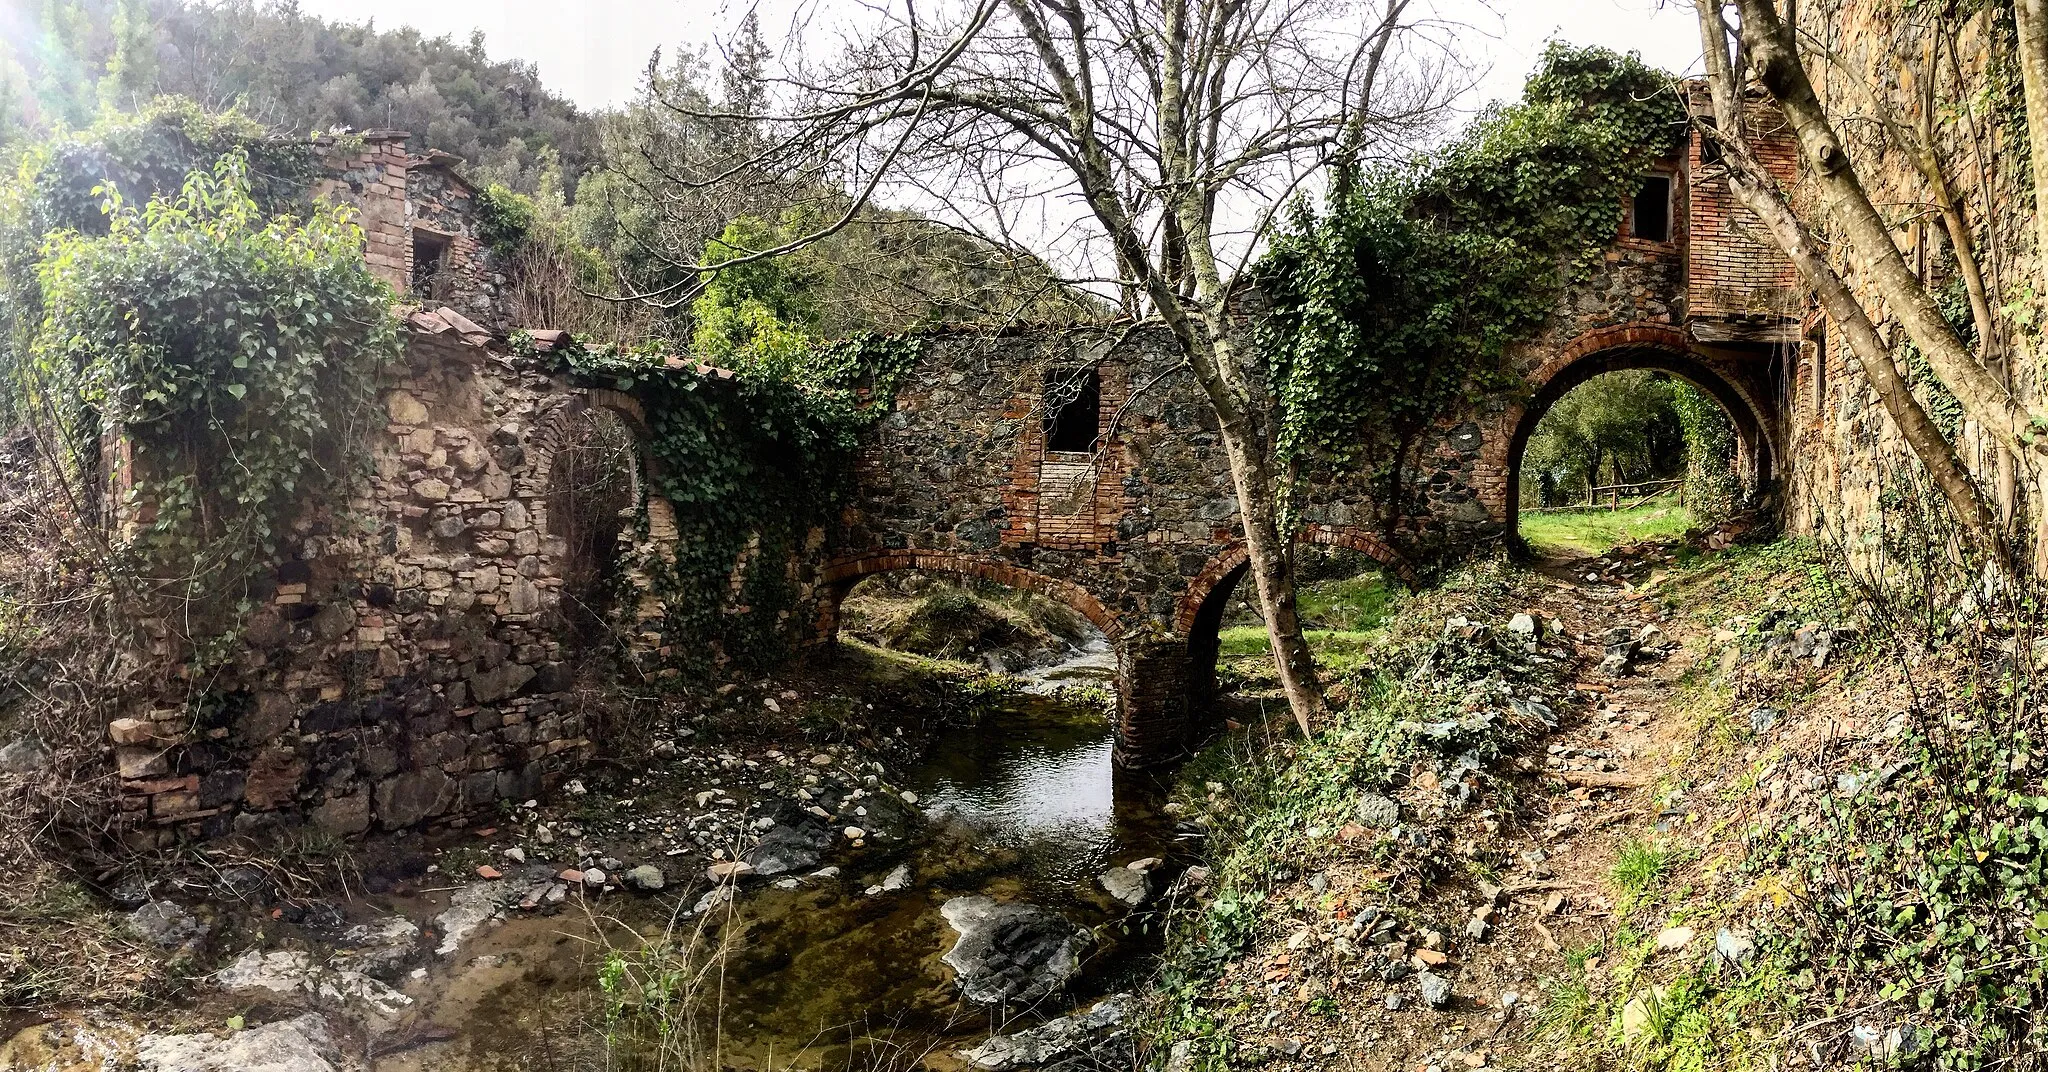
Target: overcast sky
593,51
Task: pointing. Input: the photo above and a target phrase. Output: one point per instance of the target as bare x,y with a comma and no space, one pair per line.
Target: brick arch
1230,561
1640,345
838,577
545,441
1199,618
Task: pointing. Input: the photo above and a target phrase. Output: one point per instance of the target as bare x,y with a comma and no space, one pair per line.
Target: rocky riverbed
916,887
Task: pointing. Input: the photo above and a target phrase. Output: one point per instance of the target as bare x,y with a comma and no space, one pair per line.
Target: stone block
172,806
506,679
344,815
274,779
330,717
405,409
523,598
221,788
413,797
334,621
131,732
146,762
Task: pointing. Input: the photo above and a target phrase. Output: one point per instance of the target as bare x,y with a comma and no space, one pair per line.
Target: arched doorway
593,489
1736,382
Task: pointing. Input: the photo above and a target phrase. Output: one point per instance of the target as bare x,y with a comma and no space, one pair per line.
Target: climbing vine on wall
235,353
230,349
752,465
1711,487
1399,296
64,184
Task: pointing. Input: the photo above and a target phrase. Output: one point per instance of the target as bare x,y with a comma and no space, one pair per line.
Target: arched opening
1633,443
1348,584
1015,630
592,491
1030,767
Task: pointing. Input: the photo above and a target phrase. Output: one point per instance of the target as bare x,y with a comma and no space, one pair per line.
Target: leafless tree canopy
1126,141
1143,146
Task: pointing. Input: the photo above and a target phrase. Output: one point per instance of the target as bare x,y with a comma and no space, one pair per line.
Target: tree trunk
1757,190
2030,18
1770,44
1268,557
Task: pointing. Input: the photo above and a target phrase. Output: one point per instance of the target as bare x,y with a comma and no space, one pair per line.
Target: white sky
593,51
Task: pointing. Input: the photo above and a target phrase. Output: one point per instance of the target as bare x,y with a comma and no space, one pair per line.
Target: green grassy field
1592,532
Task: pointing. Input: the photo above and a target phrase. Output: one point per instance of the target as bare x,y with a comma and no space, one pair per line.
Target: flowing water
1028,805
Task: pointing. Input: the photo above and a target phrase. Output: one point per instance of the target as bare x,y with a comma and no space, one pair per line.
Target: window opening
1073,410
429,254
1650,219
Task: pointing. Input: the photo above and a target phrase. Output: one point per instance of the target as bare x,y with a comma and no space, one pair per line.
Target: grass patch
1594,532
1342,619
1338,651
1636,871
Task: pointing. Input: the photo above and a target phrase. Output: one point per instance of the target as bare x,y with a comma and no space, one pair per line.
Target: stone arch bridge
1084,465
1138,530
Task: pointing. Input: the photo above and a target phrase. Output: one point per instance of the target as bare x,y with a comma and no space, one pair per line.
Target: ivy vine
1399,296
234,352
64,184
752,464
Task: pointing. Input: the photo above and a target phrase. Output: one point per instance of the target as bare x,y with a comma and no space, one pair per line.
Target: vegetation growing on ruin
751,465
232,347
1396,297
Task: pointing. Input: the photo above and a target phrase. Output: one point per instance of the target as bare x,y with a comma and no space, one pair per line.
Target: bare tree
1770,48
1153,142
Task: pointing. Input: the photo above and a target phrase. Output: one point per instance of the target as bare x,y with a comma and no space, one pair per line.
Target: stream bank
731,898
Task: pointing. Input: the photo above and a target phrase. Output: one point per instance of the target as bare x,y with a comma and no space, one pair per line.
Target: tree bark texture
1757,190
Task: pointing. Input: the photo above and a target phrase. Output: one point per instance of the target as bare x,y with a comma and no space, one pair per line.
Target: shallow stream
829,971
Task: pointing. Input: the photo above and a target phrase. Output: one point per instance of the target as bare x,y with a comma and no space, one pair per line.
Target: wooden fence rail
1635,494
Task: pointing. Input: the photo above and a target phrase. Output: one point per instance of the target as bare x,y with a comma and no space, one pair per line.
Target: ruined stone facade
419,221
410,665
414,663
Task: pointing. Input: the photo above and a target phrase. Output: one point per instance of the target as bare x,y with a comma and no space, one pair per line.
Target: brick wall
1733,267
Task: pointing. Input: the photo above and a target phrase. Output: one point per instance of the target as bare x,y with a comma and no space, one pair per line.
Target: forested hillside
615,201
64,60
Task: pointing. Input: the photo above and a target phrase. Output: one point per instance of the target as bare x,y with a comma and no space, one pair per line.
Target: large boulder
1084,1039
798,841
296,975
1011,953
297,1045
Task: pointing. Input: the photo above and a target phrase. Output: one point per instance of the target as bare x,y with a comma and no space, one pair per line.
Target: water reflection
1039,777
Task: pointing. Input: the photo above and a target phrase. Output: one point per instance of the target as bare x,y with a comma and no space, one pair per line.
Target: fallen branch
1602,779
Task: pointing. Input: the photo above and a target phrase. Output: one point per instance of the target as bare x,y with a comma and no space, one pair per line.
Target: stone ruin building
423,670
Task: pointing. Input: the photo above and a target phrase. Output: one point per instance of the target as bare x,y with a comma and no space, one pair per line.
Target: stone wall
409,666
1849,452
412,666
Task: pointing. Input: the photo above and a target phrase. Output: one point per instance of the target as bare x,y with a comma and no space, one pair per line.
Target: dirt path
1612,753
1586,793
